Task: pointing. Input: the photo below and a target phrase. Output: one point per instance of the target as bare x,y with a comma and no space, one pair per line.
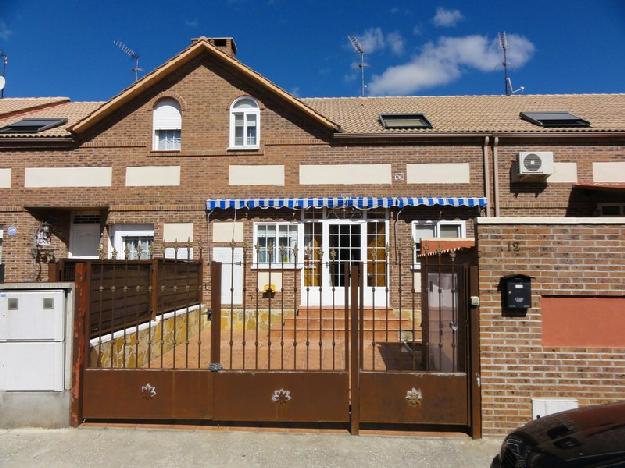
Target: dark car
593,436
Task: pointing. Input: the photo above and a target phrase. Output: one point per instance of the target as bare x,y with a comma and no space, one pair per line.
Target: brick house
205,157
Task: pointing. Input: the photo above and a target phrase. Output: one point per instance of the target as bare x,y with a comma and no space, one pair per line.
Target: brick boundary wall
564,256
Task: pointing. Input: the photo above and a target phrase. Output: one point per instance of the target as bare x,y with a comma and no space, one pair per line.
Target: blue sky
65,47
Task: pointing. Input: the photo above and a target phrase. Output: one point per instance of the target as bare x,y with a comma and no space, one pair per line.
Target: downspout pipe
486,174
495,176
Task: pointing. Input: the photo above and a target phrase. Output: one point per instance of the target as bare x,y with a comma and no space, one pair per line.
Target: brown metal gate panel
413,398
282,396
147,394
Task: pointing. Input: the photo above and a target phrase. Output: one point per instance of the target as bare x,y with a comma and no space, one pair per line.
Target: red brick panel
591,322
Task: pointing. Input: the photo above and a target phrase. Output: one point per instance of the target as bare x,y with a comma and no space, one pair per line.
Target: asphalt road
107,447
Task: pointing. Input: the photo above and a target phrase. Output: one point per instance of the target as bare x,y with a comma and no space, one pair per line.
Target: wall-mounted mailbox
516,292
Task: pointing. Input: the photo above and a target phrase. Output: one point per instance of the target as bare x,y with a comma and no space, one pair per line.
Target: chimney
225,44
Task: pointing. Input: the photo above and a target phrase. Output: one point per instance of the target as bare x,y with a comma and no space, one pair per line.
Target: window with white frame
138,247
275,242
611,209
244,124
131,241
167,125
443,229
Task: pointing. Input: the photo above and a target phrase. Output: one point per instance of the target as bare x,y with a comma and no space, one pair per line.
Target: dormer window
167,124
244,124
32,125
404,121
554,119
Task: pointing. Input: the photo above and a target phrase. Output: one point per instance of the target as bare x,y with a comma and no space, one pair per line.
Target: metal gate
278,350
417,370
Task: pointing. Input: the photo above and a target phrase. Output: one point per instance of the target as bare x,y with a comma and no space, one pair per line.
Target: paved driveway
106,447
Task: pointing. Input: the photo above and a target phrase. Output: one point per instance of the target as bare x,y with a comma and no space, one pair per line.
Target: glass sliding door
332,245
312,254
376,268
344,241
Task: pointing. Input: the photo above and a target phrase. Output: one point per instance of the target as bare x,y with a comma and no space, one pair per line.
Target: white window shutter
167,115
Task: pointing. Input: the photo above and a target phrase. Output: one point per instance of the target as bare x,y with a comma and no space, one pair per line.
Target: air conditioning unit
535,164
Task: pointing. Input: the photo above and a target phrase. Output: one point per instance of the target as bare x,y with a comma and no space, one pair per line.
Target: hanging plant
269,290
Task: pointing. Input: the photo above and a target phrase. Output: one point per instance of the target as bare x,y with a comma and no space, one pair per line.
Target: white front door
231,273
330,246
84,238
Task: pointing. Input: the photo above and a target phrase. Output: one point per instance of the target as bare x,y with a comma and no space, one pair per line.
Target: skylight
401,121
32,125
554,119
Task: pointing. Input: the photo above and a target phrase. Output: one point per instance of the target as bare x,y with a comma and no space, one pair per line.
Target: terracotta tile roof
72,111
13,106
448,114
474,114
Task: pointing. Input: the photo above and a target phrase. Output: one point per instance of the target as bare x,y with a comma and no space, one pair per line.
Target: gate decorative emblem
414,397
281,396
148,391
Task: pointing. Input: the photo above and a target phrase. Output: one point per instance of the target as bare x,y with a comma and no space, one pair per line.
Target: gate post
215,362
355,293
474,359
81,337
155,289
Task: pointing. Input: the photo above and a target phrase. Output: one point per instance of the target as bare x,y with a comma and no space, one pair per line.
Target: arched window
167,123
244,124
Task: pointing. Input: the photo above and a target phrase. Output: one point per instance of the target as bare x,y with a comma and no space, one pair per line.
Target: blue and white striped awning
339,202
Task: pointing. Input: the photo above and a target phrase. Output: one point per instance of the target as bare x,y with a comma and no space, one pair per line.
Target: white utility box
32,315
31,366
32,340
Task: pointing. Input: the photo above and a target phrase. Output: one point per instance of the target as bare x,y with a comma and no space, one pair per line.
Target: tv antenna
508,90
4,59
132,54
360,51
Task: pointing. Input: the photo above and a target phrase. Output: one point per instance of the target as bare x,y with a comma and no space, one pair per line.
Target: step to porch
329,335
338,323
368,313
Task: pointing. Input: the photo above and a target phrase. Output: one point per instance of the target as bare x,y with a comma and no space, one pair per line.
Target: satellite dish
2,82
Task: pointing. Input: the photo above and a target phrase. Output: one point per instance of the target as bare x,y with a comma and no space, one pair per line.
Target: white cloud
5,32
374,40
395,42
192,23
444,61
446,18
371,40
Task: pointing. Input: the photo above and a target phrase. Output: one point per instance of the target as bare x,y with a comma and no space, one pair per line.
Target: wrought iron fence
127,293
288,314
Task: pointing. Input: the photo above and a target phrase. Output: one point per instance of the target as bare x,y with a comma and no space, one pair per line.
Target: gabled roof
199,46
473,114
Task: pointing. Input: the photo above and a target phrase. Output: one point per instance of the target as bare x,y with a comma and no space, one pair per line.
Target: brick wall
559,198
563,259
205,90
